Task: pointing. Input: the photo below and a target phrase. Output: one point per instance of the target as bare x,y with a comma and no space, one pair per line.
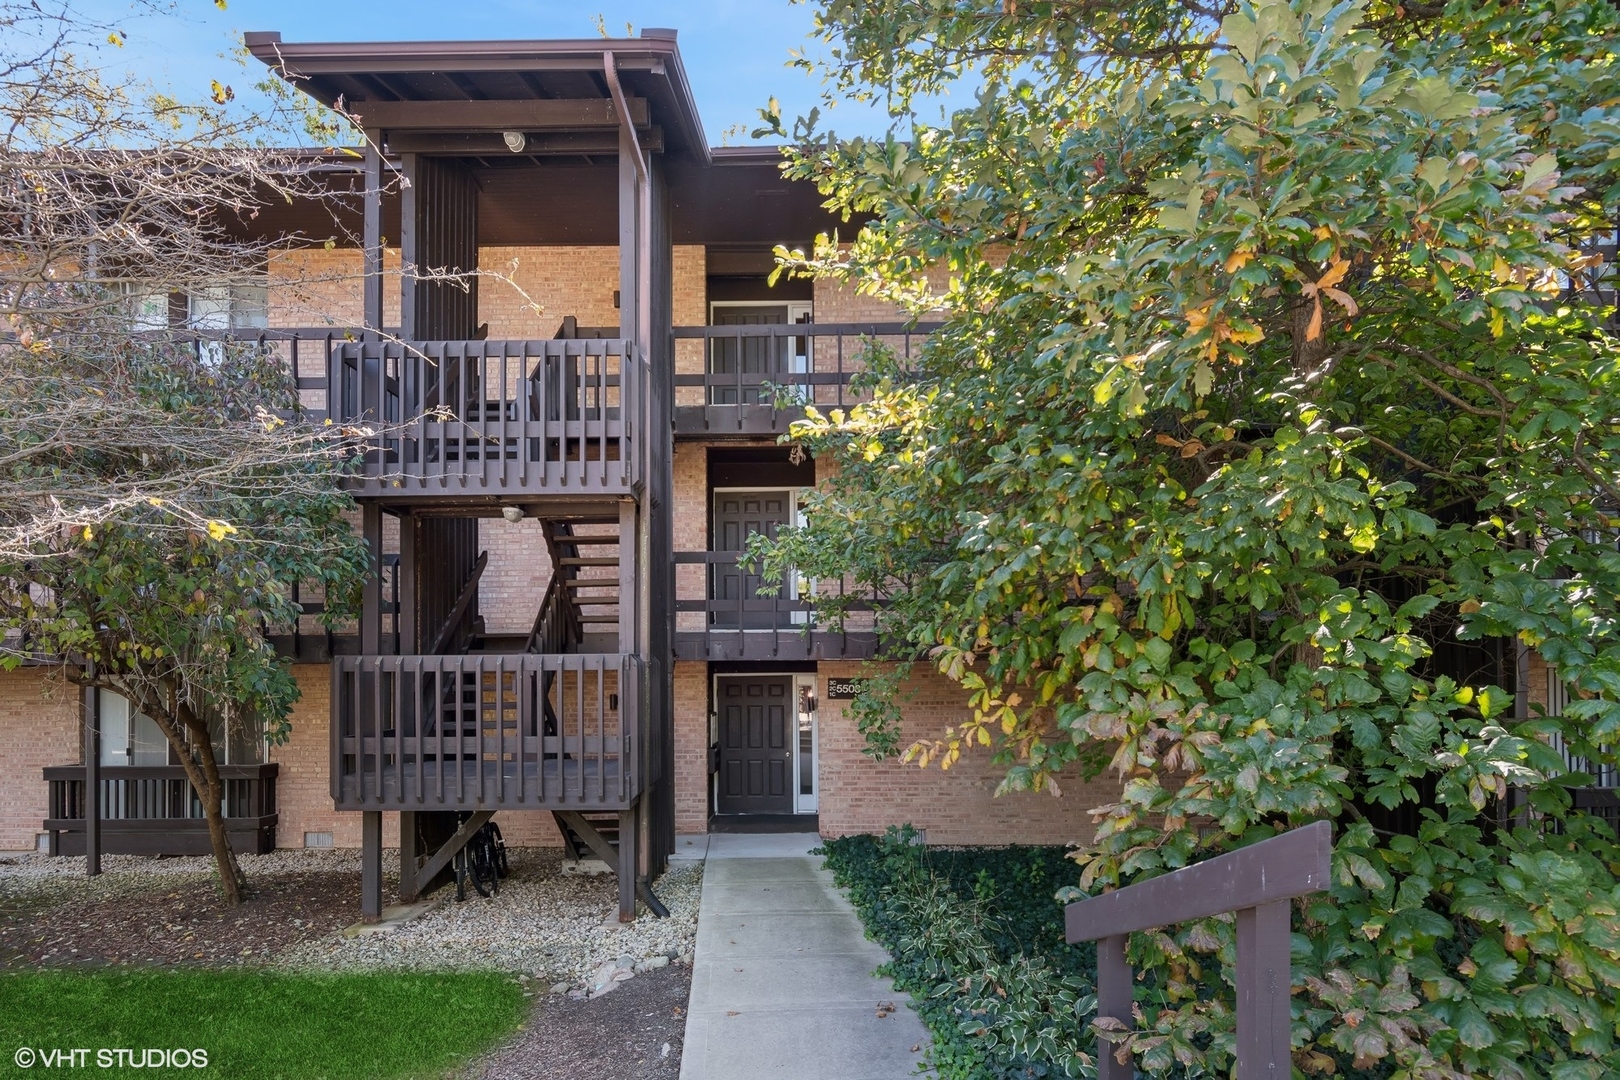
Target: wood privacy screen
1257,882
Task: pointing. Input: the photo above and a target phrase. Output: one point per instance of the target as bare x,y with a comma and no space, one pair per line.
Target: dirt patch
633,1033
182,921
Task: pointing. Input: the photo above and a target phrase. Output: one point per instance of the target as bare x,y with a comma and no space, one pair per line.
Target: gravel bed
559,930
552,926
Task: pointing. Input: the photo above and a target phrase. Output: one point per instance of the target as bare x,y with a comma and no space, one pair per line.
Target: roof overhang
464,88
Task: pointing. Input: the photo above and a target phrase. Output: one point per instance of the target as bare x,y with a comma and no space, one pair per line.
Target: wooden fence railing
757,379
487,731
493,416
1257,882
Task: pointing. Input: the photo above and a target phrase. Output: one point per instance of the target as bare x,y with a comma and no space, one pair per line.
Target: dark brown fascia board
553,114
747,155
657,53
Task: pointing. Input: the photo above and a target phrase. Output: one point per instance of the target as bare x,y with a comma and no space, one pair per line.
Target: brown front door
734,600
756,751
752,361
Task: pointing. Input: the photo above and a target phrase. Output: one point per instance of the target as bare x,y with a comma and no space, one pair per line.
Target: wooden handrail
1257,882
469,591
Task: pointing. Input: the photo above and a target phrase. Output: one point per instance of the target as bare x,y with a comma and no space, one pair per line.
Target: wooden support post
407,856
372,238
371,904
628,834
628,220
90,711
371,599
409,594
410,254
1258,882
628,565
1113,999
1263,1015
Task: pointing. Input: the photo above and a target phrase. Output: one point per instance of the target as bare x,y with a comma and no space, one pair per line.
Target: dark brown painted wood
756,746
1258,882
371,891
603,142
474,731
1114,1002
755,362
145,809
90,711
1292,864
372,240
423,876
1263,975
734,587
531,115
750,387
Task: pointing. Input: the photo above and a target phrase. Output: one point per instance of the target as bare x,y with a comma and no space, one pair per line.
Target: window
130,737
239,307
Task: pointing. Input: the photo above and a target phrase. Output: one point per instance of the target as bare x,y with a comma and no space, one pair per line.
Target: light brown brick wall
691,529
39,726
516,577
320,287
859,795
691,705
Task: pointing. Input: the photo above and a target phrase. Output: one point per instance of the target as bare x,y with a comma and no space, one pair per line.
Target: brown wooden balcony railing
487,731
493,417
152,810
757,379
729,620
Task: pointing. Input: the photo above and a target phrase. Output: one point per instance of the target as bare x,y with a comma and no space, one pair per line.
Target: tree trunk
212,794
1310,353
188,735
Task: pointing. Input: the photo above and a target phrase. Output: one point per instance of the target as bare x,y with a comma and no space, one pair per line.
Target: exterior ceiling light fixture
514,514
515,141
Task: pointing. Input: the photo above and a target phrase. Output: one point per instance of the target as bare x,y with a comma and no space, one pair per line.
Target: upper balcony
752,380
452,419
496,418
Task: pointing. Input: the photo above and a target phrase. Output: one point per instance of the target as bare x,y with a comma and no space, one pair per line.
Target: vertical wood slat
1114,981
90,714
1264,1017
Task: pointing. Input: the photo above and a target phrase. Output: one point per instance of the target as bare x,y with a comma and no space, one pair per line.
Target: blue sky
735,51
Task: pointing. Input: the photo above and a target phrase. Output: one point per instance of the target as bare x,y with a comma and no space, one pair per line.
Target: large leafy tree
1271,433
161,491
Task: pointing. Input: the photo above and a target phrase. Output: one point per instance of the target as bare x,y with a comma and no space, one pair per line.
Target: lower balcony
152,810
488,731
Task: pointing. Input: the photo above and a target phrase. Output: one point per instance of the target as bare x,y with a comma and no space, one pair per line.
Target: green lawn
255,1024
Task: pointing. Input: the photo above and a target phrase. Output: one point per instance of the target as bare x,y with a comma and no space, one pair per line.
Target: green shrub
977,940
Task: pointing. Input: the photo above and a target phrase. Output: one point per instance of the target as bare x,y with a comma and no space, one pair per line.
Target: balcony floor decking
469,785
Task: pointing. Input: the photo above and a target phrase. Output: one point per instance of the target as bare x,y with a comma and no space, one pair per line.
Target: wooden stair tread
571,560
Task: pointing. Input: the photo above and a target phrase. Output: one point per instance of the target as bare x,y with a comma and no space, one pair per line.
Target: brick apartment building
558,629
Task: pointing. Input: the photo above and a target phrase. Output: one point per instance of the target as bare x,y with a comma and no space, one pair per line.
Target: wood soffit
469,86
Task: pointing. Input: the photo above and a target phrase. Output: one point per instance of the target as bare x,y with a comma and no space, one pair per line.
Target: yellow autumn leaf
1238,260
89,533
219,530
1335,274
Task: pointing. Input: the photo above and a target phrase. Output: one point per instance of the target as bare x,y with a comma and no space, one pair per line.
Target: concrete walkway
782,983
